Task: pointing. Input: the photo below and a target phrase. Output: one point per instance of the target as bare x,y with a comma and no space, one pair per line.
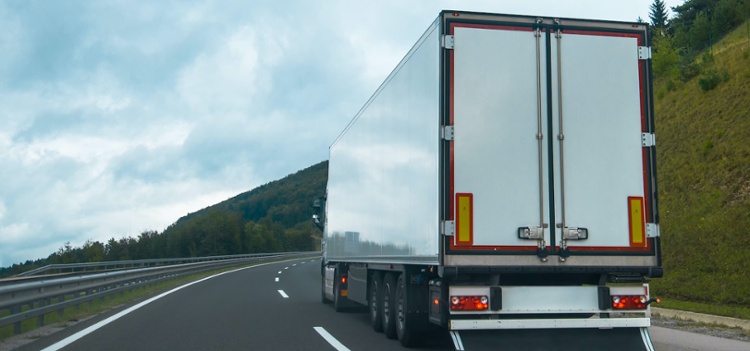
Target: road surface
275,306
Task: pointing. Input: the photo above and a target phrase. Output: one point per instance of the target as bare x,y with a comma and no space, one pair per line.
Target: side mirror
317,216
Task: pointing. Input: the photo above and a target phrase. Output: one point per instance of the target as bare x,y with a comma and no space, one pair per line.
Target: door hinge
652,230
448,42
648,139
448,228
447,133
644,53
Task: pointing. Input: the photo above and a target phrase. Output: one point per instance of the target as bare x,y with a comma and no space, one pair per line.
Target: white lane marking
283,294
286,267
71,339
277,279
279,272
647,339
457,343
331,340
303,262
294,265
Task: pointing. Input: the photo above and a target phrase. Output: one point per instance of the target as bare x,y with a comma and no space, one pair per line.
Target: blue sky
122,116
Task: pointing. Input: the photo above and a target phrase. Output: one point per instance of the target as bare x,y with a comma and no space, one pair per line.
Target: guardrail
78,267
69,291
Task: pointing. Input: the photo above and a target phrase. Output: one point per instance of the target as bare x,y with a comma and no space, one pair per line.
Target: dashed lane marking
283,294
330,339
277,279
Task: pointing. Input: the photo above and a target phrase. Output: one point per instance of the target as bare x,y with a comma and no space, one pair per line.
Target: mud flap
625,339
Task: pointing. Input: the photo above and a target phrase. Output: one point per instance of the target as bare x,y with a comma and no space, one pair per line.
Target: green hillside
272,217
703,154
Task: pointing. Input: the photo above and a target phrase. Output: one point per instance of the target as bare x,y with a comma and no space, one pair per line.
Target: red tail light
629,302
469,303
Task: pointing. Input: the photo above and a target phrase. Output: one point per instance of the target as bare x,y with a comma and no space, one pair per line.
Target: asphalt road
276,306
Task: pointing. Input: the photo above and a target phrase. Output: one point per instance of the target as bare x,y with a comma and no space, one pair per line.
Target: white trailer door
600,182
497,110
548,152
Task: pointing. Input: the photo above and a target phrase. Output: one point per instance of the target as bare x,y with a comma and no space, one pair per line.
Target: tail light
630,302
469,303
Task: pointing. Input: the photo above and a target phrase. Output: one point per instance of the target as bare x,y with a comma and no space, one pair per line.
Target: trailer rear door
550,140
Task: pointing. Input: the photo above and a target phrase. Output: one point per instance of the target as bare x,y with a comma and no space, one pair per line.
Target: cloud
120,117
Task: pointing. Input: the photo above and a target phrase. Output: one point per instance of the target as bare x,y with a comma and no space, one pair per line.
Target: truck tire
389,305
376,302
406,335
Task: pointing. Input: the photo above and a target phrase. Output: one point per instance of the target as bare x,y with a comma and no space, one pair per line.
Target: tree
666,58
700,32
659,16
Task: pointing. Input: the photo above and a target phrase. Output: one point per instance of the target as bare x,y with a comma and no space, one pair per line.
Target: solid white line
331,340
277,279
71,339
283,294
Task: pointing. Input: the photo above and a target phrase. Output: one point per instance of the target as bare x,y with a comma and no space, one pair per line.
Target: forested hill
287,201
270,218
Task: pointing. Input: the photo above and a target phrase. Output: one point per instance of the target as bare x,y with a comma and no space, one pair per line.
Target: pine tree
658,15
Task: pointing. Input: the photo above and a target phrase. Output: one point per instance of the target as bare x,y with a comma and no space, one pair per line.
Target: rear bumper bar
602,323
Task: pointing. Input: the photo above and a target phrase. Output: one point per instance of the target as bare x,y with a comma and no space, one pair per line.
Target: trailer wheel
406,335
376,302
389,306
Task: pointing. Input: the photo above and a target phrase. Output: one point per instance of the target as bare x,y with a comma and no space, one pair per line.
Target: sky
118,117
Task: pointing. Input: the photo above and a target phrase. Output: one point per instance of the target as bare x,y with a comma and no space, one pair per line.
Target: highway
275,306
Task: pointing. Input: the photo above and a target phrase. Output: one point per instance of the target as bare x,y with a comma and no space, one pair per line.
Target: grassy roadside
88,309
741,312
703,159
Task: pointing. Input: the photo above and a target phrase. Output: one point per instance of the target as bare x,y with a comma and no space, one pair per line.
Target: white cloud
120,117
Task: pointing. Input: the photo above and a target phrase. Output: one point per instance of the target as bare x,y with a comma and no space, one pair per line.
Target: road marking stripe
283,294
71,339
277,279
294,265
457,343
279,272
647,339
331,340
286,267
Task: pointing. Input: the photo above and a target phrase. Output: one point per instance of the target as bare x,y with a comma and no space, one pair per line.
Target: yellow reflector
637,227
464,218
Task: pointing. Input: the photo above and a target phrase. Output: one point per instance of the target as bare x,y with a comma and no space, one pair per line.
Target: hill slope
703,154
271,217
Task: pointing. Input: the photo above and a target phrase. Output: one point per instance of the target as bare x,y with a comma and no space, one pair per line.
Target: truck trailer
501,181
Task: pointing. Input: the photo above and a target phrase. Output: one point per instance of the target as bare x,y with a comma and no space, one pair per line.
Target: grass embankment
703,155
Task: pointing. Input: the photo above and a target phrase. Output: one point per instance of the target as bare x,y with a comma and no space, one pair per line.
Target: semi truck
501,182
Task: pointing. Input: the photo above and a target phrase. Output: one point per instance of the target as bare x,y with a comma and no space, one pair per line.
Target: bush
710,80
689,70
